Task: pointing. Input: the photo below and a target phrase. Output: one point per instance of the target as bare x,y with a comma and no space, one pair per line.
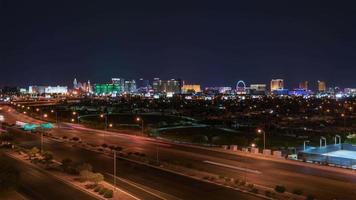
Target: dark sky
206,42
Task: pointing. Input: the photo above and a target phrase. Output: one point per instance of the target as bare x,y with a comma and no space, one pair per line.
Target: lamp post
106,120
114,169
264,137
138,119
344,118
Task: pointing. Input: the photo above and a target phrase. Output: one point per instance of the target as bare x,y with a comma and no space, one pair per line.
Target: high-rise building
303,85
75,83
321,86
166,86
277,84
130,86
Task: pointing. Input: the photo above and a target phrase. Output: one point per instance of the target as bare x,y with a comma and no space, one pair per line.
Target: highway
325,183
36,185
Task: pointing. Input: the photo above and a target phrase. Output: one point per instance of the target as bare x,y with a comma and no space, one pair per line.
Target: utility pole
41,142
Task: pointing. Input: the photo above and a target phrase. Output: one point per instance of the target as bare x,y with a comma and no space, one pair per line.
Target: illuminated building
321,86
107,89
217,90
303,85
48,90
258,89
277,84
130,86
166,86
191,89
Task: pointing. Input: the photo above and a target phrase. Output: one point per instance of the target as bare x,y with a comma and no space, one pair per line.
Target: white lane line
233,167
139,187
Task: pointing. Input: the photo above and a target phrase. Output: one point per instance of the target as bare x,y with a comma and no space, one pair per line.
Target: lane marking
232,167
137,186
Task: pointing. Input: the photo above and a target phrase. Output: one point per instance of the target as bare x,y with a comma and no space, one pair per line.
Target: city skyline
205,43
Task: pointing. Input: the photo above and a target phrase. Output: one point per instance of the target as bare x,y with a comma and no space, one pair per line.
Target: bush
103,191
75,139
254,190
84,166
97,188
269,193
298,191
104,145
118,148
280,189
310,197
242,183
251,186
108,194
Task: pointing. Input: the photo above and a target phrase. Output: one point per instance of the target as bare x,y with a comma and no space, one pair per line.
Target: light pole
305,142
106,120
264,137
344,118
138,119
115,169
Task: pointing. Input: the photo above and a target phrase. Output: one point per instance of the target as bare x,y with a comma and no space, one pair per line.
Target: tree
47,158
97,177
84,166
66,164
86,175
33,152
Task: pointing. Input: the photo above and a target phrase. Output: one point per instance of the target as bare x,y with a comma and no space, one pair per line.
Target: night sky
207,42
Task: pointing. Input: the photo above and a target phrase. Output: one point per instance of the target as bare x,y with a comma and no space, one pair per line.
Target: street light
264,137
138,119
106,120
344,118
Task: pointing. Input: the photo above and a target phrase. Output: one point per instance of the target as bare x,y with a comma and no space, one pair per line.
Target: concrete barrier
267,152
254,150
225,147
245,149
233,147
277,154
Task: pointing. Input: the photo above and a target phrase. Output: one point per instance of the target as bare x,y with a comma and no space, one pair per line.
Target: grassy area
206,135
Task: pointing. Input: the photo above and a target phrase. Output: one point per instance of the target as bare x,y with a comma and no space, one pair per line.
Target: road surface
324,183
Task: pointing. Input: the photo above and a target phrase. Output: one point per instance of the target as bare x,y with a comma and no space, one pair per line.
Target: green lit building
108,89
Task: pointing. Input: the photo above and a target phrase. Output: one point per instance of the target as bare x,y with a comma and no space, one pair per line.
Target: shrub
254,190
75,139
242,183
280,189
298,191
310,197
97,188
118,148
269,193
103,191
108,194
104,145
250,185
84,166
